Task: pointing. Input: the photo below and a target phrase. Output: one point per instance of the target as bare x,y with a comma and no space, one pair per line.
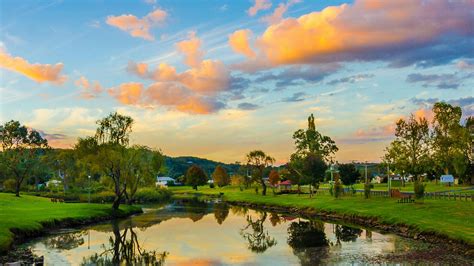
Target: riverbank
425,219
29,216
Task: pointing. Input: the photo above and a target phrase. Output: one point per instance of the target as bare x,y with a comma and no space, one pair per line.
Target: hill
177,166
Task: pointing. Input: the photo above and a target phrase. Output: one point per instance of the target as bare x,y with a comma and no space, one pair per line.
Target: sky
216,79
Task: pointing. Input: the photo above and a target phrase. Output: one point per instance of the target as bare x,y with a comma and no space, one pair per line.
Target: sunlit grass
29,212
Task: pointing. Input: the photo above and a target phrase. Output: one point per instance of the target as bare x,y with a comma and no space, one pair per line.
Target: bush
211,185
9,185
419,189
152,195
367,188
338,189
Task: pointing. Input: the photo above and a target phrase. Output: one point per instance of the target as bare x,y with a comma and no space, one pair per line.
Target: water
211,233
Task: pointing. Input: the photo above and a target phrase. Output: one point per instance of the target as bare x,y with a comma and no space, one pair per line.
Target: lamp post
89,188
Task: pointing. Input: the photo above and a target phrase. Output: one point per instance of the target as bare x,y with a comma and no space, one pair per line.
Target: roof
164,178
284,183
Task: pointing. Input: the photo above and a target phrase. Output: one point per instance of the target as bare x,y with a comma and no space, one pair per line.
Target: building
162,181
285,185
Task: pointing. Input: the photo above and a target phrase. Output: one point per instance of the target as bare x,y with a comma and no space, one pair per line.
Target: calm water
212,233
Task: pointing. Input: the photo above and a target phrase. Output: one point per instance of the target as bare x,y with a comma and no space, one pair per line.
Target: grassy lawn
28,212
450,218
430,187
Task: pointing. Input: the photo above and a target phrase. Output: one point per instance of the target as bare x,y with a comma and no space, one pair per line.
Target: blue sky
358,66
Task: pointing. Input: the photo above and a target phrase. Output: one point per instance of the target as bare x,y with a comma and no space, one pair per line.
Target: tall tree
314,169
349,174
311,141
114,129
258,160
410,150
21,150
220,176
195,177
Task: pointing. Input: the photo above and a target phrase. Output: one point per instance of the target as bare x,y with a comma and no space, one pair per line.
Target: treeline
176,167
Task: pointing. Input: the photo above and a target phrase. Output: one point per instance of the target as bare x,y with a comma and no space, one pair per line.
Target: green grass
453,219
28,212
430,187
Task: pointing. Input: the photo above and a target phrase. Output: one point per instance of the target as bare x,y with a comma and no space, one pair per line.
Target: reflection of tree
347,234
239,210
124,249
274,219
195,208
221,211
66,241
259,239
308,241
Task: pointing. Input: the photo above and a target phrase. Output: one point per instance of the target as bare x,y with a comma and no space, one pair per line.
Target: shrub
211,185
419,189
367,188
338,189
152,195
9,185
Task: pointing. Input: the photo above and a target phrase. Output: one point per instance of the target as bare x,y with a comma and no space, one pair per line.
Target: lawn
430,187
454,219
28,212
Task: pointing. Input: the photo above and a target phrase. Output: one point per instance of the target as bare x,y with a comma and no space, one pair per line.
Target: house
162,181
285,185
378,179
447,179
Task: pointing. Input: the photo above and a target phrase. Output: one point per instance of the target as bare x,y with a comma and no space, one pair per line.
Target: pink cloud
89,90
138,27
257,6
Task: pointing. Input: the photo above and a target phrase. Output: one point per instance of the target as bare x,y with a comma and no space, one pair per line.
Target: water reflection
189,232
124,249
257,237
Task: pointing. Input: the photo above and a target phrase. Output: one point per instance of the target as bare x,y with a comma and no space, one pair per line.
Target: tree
21,150
220,176
349,174
274,177
114,129
313,170
409,152
195,177
258,160
451,141
311,141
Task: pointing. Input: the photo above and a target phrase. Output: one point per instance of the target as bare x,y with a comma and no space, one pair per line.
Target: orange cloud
239,42
424,113
191,49
37,72
89,90
257,6
128,93
278,13
138,27
364,30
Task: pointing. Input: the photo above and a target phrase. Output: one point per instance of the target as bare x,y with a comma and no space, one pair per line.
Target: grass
453,219
430,187
27,213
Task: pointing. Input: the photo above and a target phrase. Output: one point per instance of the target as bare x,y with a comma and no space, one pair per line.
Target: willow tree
21,151
258,161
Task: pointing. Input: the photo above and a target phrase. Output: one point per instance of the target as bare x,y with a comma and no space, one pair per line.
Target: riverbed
194,232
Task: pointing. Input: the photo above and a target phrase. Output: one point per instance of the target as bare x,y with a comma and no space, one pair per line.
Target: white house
162,181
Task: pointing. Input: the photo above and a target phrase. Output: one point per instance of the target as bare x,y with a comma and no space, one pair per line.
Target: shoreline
21,236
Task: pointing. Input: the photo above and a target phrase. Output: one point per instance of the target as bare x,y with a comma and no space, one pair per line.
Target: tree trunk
116,204
264,187
17,188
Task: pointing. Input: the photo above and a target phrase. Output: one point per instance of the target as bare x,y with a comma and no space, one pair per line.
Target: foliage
419,189
274,177
114,129
237,180
311,141
409,152
258,161
195,177
220,176
21,150
313,170
349,174
177,166
367,188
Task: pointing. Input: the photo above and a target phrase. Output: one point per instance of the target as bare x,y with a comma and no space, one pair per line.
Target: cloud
278,13
466,104
248,106
37,72
191,49
418,32
441,81
165,94
239,42
351,79
89,90
259,5
138,27
465,65
296,97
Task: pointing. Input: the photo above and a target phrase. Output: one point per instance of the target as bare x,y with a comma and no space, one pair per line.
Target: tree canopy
195,177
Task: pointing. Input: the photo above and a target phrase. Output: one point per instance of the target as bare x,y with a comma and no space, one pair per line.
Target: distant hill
177,166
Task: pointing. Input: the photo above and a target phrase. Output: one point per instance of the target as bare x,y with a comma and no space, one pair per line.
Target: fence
456,196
